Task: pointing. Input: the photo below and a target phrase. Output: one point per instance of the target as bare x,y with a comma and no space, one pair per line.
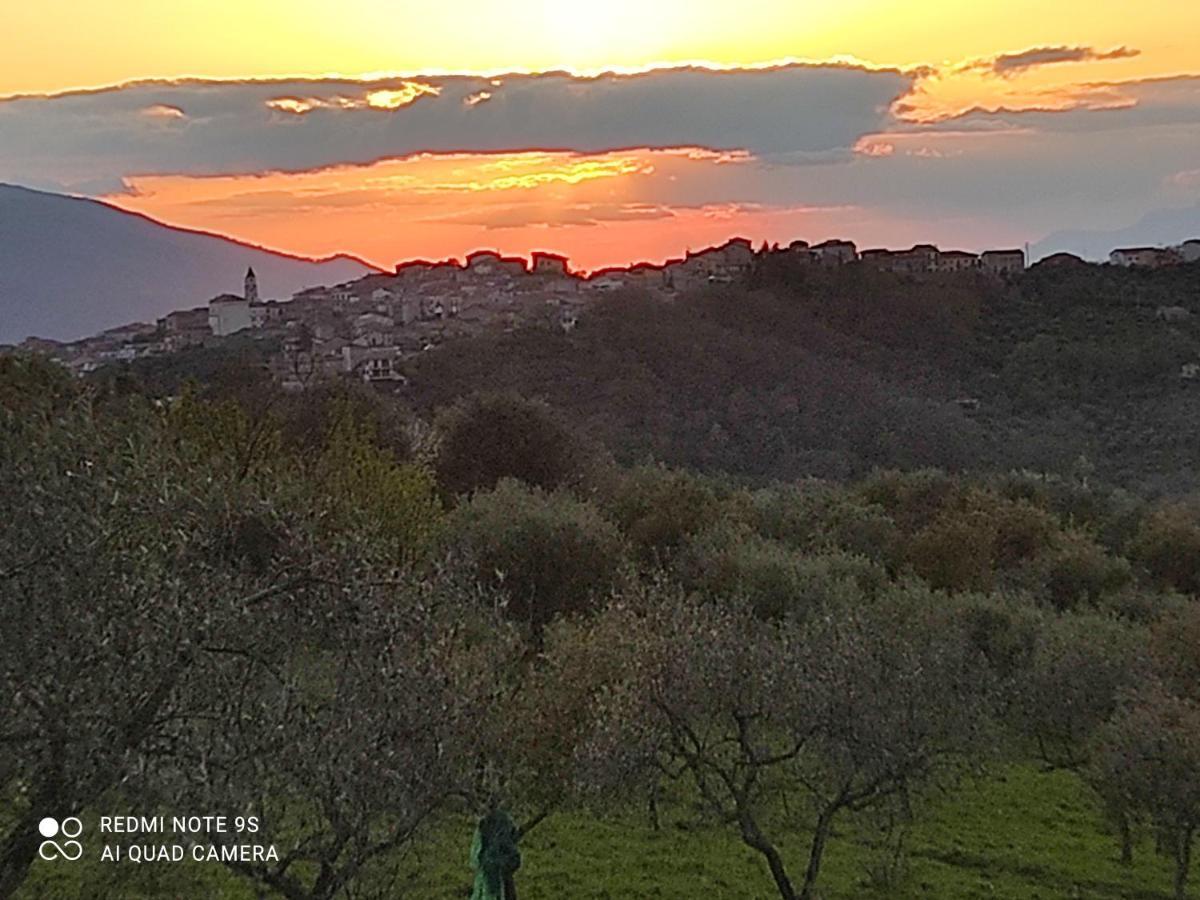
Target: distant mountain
71,267
1159,228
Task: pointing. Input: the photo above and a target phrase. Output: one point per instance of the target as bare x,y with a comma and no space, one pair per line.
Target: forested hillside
814,372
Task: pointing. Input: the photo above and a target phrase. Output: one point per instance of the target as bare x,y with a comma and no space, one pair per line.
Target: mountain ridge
57,250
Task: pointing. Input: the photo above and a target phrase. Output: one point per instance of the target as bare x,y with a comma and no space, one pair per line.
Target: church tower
251,293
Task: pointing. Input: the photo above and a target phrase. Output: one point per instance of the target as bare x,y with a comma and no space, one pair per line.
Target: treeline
353,624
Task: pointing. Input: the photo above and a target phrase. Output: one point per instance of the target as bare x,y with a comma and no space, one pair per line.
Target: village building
731,261
608,280
1189,251
1003,262
646,275
921,258
543,263
1141,257
1061,261
372,364
228,314
491,263
264,315
835,252
957,261
382,298
404,309
372,329
423,272
184,328
364,327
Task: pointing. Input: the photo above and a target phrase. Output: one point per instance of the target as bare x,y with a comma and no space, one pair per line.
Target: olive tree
117,573
1149,753
355,732
1081,666
548,553
852,712
164,586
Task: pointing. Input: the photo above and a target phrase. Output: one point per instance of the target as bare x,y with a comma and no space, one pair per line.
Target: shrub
1079,668
308,418
550,553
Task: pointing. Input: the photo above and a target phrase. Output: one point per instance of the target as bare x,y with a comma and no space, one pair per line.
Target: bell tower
251,292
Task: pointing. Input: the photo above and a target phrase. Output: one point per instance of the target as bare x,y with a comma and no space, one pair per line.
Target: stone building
1003,262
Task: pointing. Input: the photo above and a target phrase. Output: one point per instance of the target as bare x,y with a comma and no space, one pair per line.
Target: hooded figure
495,857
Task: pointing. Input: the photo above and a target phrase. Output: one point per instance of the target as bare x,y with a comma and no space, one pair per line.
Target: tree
354,733
550,554
1075,569
1149,754
853,711
730,561
1175,650
115,585
166,580
1168,546
658,508
1081,667
484,438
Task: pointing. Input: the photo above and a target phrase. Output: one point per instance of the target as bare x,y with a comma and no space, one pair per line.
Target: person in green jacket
495,857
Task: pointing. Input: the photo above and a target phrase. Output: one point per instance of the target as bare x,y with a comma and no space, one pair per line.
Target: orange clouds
598,209
1040,78
438,205
381,98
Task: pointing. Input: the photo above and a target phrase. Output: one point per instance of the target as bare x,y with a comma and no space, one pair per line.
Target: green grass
1021,834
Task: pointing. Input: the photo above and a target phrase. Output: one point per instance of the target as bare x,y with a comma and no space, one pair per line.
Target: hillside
833,374
71,267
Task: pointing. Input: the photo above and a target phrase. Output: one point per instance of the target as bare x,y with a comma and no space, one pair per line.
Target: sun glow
273,38
415,206
401,96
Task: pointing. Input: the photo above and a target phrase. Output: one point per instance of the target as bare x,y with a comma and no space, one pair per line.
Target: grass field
1020,834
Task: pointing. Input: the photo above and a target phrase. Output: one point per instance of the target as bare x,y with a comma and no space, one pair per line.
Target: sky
611,132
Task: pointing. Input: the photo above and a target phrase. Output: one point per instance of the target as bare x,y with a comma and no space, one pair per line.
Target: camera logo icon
70,849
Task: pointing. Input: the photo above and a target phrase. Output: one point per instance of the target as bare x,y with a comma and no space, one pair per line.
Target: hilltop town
365,329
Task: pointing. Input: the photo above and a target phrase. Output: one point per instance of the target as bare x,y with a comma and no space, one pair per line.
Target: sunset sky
609,131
